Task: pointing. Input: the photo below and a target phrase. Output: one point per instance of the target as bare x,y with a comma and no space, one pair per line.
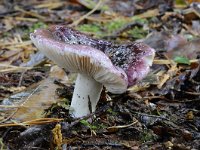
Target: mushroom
98,63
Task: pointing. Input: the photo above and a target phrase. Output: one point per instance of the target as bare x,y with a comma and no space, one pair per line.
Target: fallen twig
103,145
153,116
97,113
75,23
123,126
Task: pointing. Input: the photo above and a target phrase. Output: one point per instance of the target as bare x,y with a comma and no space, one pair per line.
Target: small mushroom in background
98,63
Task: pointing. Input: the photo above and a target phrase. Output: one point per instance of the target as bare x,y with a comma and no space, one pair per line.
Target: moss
141,20
114,25
36,26
93,28
6,34
31,29
147,136
112,112
137,33
97,30
100,30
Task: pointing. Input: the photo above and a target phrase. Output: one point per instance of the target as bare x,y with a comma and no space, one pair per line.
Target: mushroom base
86,95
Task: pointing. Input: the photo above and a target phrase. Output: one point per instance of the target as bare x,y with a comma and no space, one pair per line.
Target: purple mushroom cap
115,66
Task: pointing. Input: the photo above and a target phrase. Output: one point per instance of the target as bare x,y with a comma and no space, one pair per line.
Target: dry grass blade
16,44
75,23
26,19
9,68
50,5
17,106
171,72
30,13
163,80
122,126
14,69
147,14
33,122
168,62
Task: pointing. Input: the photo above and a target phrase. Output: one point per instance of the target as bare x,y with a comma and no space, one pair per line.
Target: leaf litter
160,112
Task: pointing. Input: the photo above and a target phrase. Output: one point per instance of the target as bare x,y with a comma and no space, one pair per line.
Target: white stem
86,95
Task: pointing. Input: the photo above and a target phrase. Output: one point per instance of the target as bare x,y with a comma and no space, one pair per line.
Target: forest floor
161,112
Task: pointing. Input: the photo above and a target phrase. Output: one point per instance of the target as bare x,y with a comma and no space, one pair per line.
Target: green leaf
89,28
85,123
182,60
180,2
